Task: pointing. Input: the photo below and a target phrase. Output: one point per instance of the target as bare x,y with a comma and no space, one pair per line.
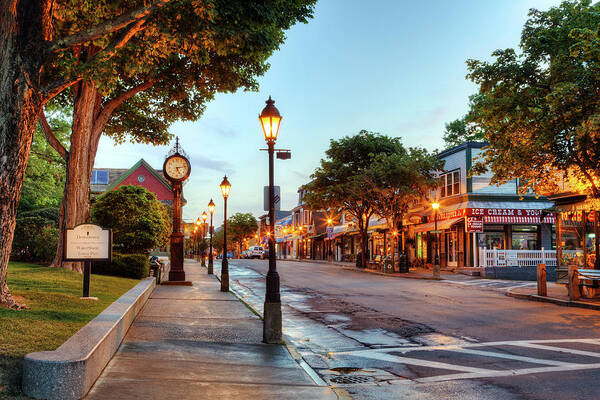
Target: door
451,248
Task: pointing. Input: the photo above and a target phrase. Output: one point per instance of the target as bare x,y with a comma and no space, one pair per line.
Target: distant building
141,174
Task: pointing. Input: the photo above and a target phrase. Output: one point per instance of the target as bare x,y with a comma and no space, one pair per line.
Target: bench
577,276
588,274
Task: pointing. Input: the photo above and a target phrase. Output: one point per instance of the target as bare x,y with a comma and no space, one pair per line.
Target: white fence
516,258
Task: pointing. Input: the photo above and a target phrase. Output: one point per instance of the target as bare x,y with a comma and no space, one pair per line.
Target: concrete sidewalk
195,342
557,293
414,273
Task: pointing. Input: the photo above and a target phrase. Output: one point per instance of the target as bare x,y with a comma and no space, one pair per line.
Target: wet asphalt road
390,338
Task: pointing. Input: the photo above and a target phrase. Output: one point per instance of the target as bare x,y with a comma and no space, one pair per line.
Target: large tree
340,182
398,180
539,108
109,51
241,226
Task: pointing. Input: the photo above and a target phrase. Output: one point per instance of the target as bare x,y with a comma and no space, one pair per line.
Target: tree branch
51,138
53,89
106,27
111,106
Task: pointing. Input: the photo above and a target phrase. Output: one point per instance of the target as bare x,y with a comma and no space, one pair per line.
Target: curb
70,371
342,394
559,302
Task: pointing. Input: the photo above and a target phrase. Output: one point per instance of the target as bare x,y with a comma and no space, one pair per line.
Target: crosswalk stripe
558,349
511,357
423,363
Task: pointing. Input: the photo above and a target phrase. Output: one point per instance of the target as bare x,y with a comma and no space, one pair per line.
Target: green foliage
138,220
460,131
241,226
539,109
45,174
51,214
218,239
397,180
35,239
134,266
354,178
188,50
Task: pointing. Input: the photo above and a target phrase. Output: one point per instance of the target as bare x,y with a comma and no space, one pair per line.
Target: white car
255,252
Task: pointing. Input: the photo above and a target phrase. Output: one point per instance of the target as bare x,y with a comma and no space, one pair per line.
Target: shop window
524,237
450,184
491,240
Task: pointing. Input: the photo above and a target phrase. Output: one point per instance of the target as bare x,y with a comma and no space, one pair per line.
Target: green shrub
35,239
51,214
125,265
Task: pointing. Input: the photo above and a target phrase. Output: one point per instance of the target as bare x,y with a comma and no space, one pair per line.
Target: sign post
87,243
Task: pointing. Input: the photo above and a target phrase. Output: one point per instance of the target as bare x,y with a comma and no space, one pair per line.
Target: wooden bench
577,278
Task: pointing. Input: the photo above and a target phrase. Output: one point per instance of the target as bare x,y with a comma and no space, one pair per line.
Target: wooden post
542,289
574,292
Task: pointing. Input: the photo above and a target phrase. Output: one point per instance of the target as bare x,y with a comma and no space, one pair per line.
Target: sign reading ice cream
88,242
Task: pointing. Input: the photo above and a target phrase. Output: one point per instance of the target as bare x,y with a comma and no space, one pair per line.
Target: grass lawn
55,314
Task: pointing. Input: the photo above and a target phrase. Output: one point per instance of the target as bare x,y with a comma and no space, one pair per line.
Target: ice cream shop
479,234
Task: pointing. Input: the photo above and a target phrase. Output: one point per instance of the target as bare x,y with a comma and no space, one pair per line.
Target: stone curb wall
70,371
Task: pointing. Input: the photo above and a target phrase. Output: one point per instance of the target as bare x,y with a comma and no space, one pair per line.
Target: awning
441,225
549,219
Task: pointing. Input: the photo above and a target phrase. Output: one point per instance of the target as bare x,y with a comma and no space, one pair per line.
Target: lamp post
198,224
225,188
270,119
203,230
211,210
436,260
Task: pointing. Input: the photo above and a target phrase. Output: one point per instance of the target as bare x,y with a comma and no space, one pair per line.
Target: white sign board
276,195
88,242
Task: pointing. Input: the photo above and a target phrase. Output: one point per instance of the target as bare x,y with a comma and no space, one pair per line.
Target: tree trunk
22,52
75,206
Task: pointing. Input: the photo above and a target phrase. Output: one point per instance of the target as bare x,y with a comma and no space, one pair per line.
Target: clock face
176,168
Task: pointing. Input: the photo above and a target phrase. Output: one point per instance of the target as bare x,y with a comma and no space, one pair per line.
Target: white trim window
449,183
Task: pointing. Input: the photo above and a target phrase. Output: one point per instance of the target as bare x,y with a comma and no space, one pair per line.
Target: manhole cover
351,379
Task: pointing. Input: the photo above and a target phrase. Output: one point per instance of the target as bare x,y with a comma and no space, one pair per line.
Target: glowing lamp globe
225,187
269,120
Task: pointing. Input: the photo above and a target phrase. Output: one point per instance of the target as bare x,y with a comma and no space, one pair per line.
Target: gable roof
131,170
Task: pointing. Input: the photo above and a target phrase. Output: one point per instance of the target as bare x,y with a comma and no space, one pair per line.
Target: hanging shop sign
474,224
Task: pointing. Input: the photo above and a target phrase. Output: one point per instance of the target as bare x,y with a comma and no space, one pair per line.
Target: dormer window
449,184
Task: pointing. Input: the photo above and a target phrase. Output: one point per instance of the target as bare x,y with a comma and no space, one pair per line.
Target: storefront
466,232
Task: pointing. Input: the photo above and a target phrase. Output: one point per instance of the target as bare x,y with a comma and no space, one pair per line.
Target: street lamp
225,188
202,229
211,210
269,120
436,261
198,224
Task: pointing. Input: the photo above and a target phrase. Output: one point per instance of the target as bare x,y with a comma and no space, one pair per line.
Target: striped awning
503,219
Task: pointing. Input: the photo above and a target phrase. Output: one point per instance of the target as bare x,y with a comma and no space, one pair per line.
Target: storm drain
351,379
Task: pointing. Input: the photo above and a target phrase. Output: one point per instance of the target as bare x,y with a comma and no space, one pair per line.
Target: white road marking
423,363
471,348
559,349
511,357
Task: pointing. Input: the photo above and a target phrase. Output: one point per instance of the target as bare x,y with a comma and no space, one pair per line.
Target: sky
391,66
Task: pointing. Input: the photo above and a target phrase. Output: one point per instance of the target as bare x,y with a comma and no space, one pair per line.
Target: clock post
177,169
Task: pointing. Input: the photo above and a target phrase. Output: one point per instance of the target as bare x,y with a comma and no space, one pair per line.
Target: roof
462,146
131,170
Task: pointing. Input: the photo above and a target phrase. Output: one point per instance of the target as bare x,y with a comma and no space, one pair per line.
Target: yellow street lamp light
225,187
269,120
204,216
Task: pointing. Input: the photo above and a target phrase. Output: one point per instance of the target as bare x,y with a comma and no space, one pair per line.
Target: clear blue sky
395,67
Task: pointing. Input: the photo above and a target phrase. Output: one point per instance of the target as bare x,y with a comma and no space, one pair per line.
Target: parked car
256,252
245,254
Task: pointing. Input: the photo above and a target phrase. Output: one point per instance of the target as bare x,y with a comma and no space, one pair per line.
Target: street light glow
435,205
204,216
269,120
211,207
225,187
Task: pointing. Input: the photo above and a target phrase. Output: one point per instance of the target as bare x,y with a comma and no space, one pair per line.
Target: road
382,337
